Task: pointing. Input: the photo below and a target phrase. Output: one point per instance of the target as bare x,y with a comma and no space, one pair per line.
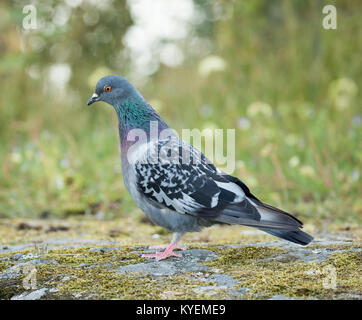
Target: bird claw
161,255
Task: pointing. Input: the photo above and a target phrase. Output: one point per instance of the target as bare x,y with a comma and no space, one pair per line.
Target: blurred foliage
266,68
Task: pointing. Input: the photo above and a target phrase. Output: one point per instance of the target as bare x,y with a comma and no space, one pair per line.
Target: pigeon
174,184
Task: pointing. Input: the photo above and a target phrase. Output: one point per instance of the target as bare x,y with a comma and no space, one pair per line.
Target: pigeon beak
93,99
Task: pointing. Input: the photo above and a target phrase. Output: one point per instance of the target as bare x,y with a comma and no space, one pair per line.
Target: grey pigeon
174,184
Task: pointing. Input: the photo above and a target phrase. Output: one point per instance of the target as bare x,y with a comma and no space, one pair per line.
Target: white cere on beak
94,95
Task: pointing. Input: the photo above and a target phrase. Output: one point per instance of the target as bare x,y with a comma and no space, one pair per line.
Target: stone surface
71,267
34,295
188,263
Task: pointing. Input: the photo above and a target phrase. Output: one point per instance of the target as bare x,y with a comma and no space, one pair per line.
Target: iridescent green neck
136,114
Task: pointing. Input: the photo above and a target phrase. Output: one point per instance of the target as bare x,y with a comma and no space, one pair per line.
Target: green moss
4,265
269,277
117,257
10,288
228,258
349,270
110,284
94,275
99,282
347,260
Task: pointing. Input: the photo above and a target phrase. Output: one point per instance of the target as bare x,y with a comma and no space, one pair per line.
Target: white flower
171,55
211,64
59,75
59,182
16,157
342,91
259,107
294,161
307,171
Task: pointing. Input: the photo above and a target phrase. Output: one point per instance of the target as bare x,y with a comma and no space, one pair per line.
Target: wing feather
194,187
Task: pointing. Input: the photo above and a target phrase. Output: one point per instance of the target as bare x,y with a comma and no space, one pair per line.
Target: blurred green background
269,69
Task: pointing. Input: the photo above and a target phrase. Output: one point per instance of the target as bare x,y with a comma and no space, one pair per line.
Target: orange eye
108,88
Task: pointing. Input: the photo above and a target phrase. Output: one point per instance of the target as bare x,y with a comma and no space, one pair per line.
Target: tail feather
268,218
275,215
225,218
299,237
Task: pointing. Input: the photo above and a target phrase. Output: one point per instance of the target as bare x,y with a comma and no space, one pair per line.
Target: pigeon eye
108,88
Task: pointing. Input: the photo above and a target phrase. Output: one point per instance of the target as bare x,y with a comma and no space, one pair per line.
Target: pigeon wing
175,175
181,178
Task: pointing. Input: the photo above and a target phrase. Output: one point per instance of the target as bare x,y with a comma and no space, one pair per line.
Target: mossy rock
84,262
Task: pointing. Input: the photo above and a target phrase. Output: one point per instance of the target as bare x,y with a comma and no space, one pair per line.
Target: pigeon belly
160,215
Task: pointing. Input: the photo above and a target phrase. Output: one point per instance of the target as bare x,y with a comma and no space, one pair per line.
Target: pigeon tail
270,219
299,237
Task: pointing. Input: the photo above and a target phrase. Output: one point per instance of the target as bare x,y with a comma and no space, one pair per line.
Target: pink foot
164,246
164,254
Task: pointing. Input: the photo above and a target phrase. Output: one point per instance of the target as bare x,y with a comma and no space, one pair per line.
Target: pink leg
160,255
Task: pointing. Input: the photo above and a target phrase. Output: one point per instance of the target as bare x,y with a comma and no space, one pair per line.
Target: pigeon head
113,90
132,109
